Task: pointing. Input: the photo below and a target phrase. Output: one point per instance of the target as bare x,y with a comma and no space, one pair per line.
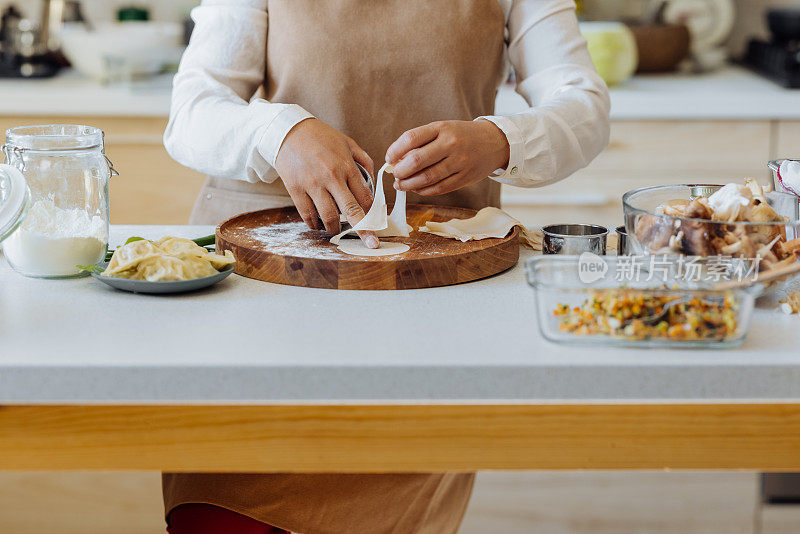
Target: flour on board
290,239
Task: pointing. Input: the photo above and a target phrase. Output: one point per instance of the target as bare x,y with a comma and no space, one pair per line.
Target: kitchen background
749,21
719,126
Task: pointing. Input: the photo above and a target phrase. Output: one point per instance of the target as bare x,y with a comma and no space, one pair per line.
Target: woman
411,82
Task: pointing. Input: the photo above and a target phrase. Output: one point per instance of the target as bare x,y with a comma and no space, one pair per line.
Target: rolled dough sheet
356,247
486,224
377,218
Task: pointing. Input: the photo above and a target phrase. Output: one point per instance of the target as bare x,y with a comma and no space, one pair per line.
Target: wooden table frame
398,438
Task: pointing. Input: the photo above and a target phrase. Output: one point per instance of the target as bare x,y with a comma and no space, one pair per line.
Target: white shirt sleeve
214,126
567,125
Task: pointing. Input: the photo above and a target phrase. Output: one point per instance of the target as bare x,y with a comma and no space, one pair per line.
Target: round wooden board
276,246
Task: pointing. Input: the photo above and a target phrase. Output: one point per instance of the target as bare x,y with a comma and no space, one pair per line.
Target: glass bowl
653,232
777,181
570,289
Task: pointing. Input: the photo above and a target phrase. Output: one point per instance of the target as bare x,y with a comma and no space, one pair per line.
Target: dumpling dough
356,247
486,224
382,224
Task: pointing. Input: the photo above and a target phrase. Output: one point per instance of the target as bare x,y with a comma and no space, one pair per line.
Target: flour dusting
298,240
290,239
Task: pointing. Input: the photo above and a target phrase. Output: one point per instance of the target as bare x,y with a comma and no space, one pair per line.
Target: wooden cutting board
276,246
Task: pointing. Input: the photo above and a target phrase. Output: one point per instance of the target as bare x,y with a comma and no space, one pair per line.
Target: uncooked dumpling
180,247
129,256
170,268
186,248
377,219
169,259
486,224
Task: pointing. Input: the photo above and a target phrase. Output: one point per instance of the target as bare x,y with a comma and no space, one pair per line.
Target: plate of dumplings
169,265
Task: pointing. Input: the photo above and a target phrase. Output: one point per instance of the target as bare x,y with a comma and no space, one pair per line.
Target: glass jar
66,174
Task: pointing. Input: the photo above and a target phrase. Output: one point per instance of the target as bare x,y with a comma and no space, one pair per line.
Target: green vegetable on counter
96,269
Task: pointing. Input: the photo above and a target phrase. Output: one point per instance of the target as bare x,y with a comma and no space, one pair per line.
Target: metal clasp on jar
17,151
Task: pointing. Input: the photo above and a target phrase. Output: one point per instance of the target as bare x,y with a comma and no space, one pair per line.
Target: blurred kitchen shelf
71,94
731,93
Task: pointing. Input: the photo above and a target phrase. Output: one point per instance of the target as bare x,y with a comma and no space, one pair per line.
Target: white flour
53,240
291,239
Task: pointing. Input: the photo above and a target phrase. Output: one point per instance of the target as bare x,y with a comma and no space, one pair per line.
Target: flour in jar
52,241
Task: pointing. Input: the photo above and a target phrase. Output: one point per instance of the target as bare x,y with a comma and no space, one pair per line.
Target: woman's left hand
441,157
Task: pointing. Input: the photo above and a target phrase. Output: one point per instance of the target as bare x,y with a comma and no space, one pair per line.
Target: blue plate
145,286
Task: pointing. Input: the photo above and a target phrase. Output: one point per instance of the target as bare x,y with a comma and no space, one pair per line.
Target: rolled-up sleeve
567,124
215,125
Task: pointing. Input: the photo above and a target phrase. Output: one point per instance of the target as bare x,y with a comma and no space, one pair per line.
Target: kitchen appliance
24,51
54,203
275,245
779,58
30,48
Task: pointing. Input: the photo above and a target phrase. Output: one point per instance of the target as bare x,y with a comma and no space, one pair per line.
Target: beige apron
372,69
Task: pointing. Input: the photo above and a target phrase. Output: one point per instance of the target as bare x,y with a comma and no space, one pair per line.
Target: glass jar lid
54,137
14,199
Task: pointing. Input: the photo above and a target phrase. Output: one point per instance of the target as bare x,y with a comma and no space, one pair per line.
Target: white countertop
732,93
249,341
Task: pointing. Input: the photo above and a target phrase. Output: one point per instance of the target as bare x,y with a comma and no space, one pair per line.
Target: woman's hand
317,164
441,157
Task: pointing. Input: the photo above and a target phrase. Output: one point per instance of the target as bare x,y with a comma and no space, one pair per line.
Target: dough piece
356,247
487,223
377,219
397,220
531,238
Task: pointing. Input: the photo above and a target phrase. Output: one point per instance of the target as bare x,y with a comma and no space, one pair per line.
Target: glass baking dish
590,299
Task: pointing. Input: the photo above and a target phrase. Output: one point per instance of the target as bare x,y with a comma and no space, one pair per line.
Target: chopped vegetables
623,314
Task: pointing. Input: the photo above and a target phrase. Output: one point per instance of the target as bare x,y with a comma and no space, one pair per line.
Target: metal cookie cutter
370,184
574,239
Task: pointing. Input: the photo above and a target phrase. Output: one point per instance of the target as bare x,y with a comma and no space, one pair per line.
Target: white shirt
218,128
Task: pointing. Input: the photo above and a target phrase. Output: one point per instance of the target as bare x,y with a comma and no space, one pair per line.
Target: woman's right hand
317,164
